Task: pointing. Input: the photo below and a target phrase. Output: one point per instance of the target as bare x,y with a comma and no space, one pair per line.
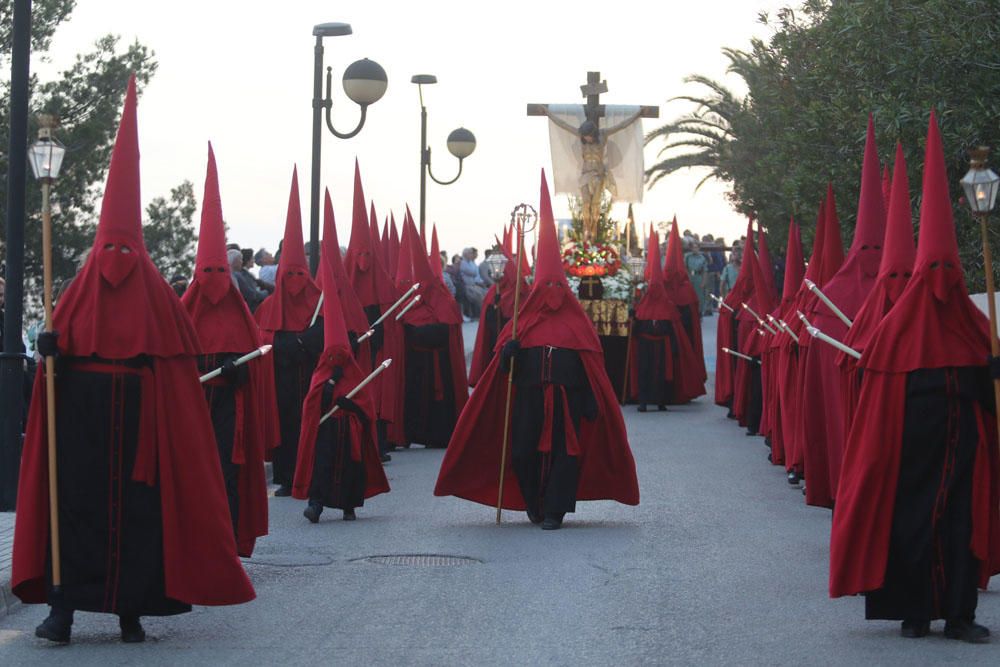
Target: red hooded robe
934,324
606,467
225,326
119,307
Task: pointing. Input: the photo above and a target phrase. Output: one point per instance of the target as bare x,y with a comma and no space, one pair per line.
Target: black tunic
337,479
295,357
548,481
494,321
110,527
755,398
221,396
430,393
651,361
931,572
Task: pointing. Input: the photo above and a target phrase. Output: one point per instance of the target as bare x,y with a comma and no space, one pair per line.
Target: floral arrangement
582,259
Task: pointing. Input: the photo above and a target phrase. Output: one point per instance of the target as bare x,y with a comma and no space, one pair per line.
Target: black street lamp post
364,83
461,144
12,357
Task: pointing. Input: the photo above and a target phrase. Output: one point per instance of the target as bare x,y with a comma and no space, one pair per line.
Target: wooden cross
593,109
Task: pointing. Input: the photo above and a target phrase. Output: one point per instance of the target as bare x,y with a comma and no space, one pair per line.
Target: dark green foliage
87,99
811,86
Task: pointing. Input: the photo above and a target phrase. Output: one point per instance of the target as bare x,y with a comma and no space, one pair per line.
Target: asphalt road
721,563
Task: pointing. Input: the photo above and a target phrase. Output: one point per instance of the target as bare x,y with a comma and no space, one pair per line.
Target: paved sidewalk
7,600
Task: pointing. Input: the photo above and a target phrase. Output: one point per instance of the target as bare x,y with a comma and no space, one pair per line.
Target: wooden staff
259,352
510,375
825,299
992,307
829,340
50,391
361,385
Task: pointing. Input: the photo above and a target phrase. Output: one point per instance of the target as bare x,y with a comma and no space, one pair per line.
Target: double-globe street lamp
364,83
461,144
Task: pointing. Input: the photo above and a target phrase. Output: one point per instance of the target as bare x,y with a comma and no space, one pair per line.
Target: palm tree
706,133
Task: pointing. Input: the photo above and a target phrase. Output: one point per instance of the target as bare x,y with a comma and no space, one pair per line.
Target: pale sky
240,74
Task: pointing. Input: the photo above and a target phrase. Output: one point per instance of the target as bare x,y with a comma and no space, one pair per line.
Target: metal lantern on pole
980,185
461,143
364,82
495,264
46,157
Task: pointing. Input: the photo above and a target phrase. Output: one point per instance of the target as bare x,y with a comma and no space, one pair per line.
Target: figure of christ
595,177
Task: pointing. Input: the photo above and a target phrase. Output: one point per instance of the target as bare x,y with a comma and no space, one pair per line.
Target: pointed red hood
437,305
794,266
353,316
362,262
435,255
900,252
404,260
551,315
897,262
675,272
218,310
119,306
336,344
291,306
886,188
766,281
833,245
741,288
655,303
393,249
856,276
934,324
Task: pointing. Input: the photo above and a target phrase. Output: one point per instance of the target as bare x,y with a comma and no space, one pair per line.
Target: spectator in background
697,267
454,270
245,282
484,270
713,249
474,290
730,272
268,266
179,283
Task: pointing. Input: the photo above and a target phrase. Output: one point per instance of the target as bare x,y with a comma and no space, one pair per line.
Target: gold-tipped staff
46,157
980,185
525,216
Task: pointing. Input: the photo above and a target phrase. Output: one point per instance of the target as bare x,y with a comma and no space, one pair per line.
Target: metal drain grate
420,560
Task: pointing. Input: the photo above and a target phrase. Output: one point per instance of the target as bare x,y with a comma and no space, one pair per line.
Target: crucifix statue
595,177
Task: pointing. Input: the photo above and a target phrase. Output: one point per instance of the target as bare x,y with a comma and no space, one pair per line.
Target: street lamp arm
434,178
340,135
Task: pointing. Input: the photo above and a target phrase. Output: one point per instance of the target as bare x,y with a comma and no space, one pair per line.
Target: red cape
361,437
472,460
177,449
859,542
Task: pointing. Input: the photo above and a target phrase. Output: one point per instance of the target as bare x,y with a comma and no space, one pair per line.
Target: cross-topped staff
521,218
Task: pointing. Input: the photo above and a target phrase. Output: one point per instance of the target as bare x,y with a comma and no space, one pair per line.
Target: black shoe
915,629
730,415
552,522
751,433
534,517
769,459
767,442
642,407
966,631
793,478
661,408
283,491
132,632
385,458
57,627
349,515
312,513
